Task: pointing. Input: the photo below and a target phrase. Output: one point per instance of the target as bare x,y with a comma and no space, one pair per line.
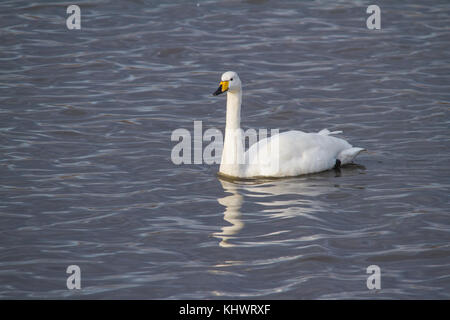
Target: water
87,179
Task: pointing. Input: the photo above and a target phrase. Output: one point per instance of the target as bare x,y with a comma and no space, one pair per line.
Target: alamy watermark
74,280
74,20
190,148
374,20
374,280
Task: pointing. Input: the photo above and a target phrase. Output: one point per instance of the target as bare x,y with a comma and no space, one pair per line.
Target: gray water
86,176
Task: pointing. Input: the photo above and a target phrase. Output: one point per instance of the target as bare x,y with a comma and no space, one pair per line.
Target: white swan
286,154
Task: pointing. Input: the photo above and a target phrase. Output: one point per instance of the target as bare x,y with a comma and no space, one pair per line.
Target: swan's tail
348,155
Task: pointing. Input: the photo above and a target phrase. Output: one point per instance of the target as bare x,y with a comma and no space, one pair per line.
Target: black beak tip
218,91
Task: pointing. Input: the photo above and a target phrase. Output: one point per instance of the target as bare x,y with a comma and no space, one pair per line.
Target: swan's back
294,153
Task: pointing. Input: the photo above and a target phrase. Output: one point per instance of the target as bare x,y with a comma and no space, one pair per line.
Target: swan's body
286,154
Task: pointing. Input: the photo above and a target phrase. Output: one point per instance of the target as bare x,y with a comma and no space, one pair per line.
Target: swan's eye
231,79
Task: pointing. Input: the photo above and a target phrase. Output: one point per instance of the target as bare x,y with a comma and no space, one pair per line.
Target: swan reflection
232,214
276,198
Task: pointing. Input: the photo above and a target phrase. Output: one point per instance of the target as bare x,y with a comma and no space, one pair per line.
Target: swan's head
230,82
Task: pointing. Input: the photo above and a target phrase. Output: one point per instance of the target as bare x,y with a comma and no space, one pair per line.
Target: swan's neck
234,100
233,151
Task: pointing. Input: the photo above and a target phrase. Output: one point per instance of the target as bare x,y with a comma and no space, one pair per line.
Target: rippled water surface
86,176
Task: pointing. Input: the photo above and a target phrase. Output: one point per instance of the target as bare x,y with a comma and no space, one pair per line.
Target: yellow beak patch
224,85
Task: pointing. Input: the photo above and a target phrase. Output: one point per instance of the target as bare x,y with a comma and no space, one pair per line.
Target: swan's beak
222,88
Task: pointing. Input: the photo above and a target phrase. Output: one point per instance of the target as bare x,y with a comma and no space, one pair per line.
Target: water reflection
279,199
232,214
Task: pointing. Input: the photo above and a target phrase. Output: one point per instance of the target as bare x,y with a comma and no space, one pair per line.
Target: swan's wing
326,132
293,153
